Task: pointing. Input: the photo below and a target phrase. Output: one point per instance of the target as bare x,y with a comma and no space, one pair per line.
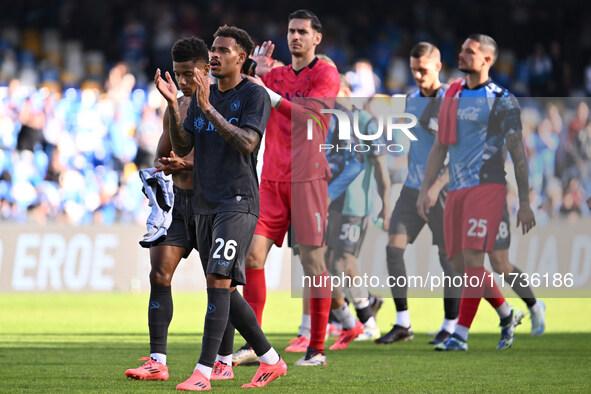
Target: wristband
275,98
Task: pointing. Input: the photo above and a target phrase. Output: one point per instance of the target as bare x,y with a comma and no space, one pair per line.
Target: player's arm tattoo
244,140
515,147
180,139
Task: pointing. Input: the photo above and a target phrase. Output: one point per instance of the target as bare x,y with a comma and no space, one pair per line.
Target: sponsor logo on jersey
469,113
200,123
297,93
223,263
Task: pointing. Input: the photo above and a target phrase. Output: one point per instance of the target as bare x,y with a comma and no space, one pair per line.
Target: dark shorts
181,232
345,233
504,236
223,240
406,220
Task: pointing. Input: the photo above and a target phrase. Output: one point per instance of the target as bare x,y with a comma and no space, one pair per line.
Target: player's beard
467,70
218,73
297,52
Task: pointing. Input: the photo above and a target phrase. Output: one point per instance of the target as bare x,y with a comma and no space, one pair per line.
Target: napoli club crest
235,105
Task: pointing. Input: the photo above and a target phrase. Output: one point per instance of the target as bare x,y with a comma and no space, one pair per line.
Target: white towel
158,189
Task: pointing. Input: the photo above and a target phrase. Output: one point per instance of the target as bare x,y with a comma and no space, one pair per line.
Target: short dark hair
424,48
486,41
309,15
190,48
242,38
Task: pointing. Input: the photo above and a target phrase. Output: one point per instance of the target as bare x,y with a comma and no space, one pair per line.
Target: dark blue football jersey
224,179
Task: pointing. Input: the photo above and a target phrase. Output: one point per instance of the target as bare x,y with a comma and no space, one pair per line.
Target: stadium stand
79,117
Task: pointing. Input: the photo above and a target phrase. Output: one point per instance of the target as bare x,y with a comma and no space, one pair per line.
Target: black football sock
364,314
159,317
243,318
520,286
506,320
216,321
227,345
451,293
396,269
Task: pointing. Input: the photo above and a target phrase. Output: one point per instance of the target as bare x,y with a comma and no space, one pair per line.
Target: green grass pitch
84,343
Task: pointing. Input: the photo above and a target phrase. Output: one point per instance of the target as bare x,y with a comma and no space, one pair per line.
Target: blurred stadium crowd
79,116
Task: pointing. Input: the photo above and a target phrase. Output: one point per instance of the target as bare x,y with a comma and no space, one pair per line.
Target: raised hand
167,88
202,82
262,55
